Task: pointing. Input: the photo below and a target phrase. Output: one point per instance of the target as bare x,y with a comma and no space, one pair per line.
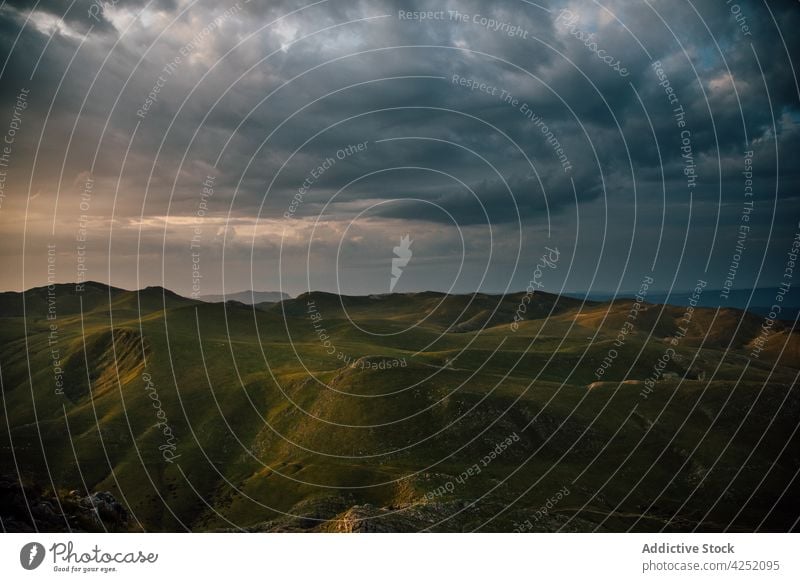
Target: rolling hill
399,412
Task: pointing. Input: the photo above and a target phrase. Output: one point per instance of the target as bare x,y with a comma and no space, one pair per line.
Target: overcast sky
120,114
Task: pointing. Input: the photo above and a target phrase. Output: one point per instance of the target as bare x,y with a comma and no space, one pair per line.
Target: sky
214,147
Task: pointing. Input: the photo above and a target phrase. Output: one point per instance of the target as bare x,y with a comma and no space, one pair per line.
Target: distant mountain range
758,301
247,297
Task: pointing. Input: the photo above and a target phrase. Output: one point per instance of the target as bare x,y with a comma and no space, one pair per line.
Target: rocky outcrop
28,507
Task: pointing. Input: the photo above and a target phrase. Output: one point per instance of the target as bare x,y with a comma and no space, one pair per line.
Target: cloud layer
485,132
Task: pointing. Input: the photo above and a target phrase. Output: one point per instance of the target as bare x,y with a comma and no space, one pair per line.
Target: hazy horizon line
586,292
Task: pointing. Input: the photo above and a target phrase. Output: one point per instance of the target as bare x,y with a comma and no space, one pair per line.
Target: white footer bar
390,557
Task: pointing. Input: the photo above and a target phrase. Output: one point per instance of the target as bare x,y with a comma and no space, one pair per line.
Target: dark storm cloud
389,81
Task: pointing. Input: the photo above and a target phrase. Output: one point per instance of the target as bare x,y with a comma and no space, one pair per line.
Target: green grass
258,436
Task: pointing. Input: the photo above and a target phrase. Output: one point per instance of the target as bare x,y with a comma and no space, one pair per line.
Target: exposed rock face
338,515
367,519
105,507
28,508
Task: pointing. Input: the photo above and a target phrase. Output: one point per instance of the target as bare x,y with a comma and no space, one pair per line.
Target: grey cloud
592,111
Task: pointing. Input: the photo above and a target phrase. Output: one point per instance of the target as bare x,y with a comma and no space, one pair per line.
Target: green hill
400,412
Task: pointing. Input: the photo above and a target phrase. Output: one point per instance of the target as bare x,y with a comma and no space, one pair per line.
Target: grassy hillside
387,412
